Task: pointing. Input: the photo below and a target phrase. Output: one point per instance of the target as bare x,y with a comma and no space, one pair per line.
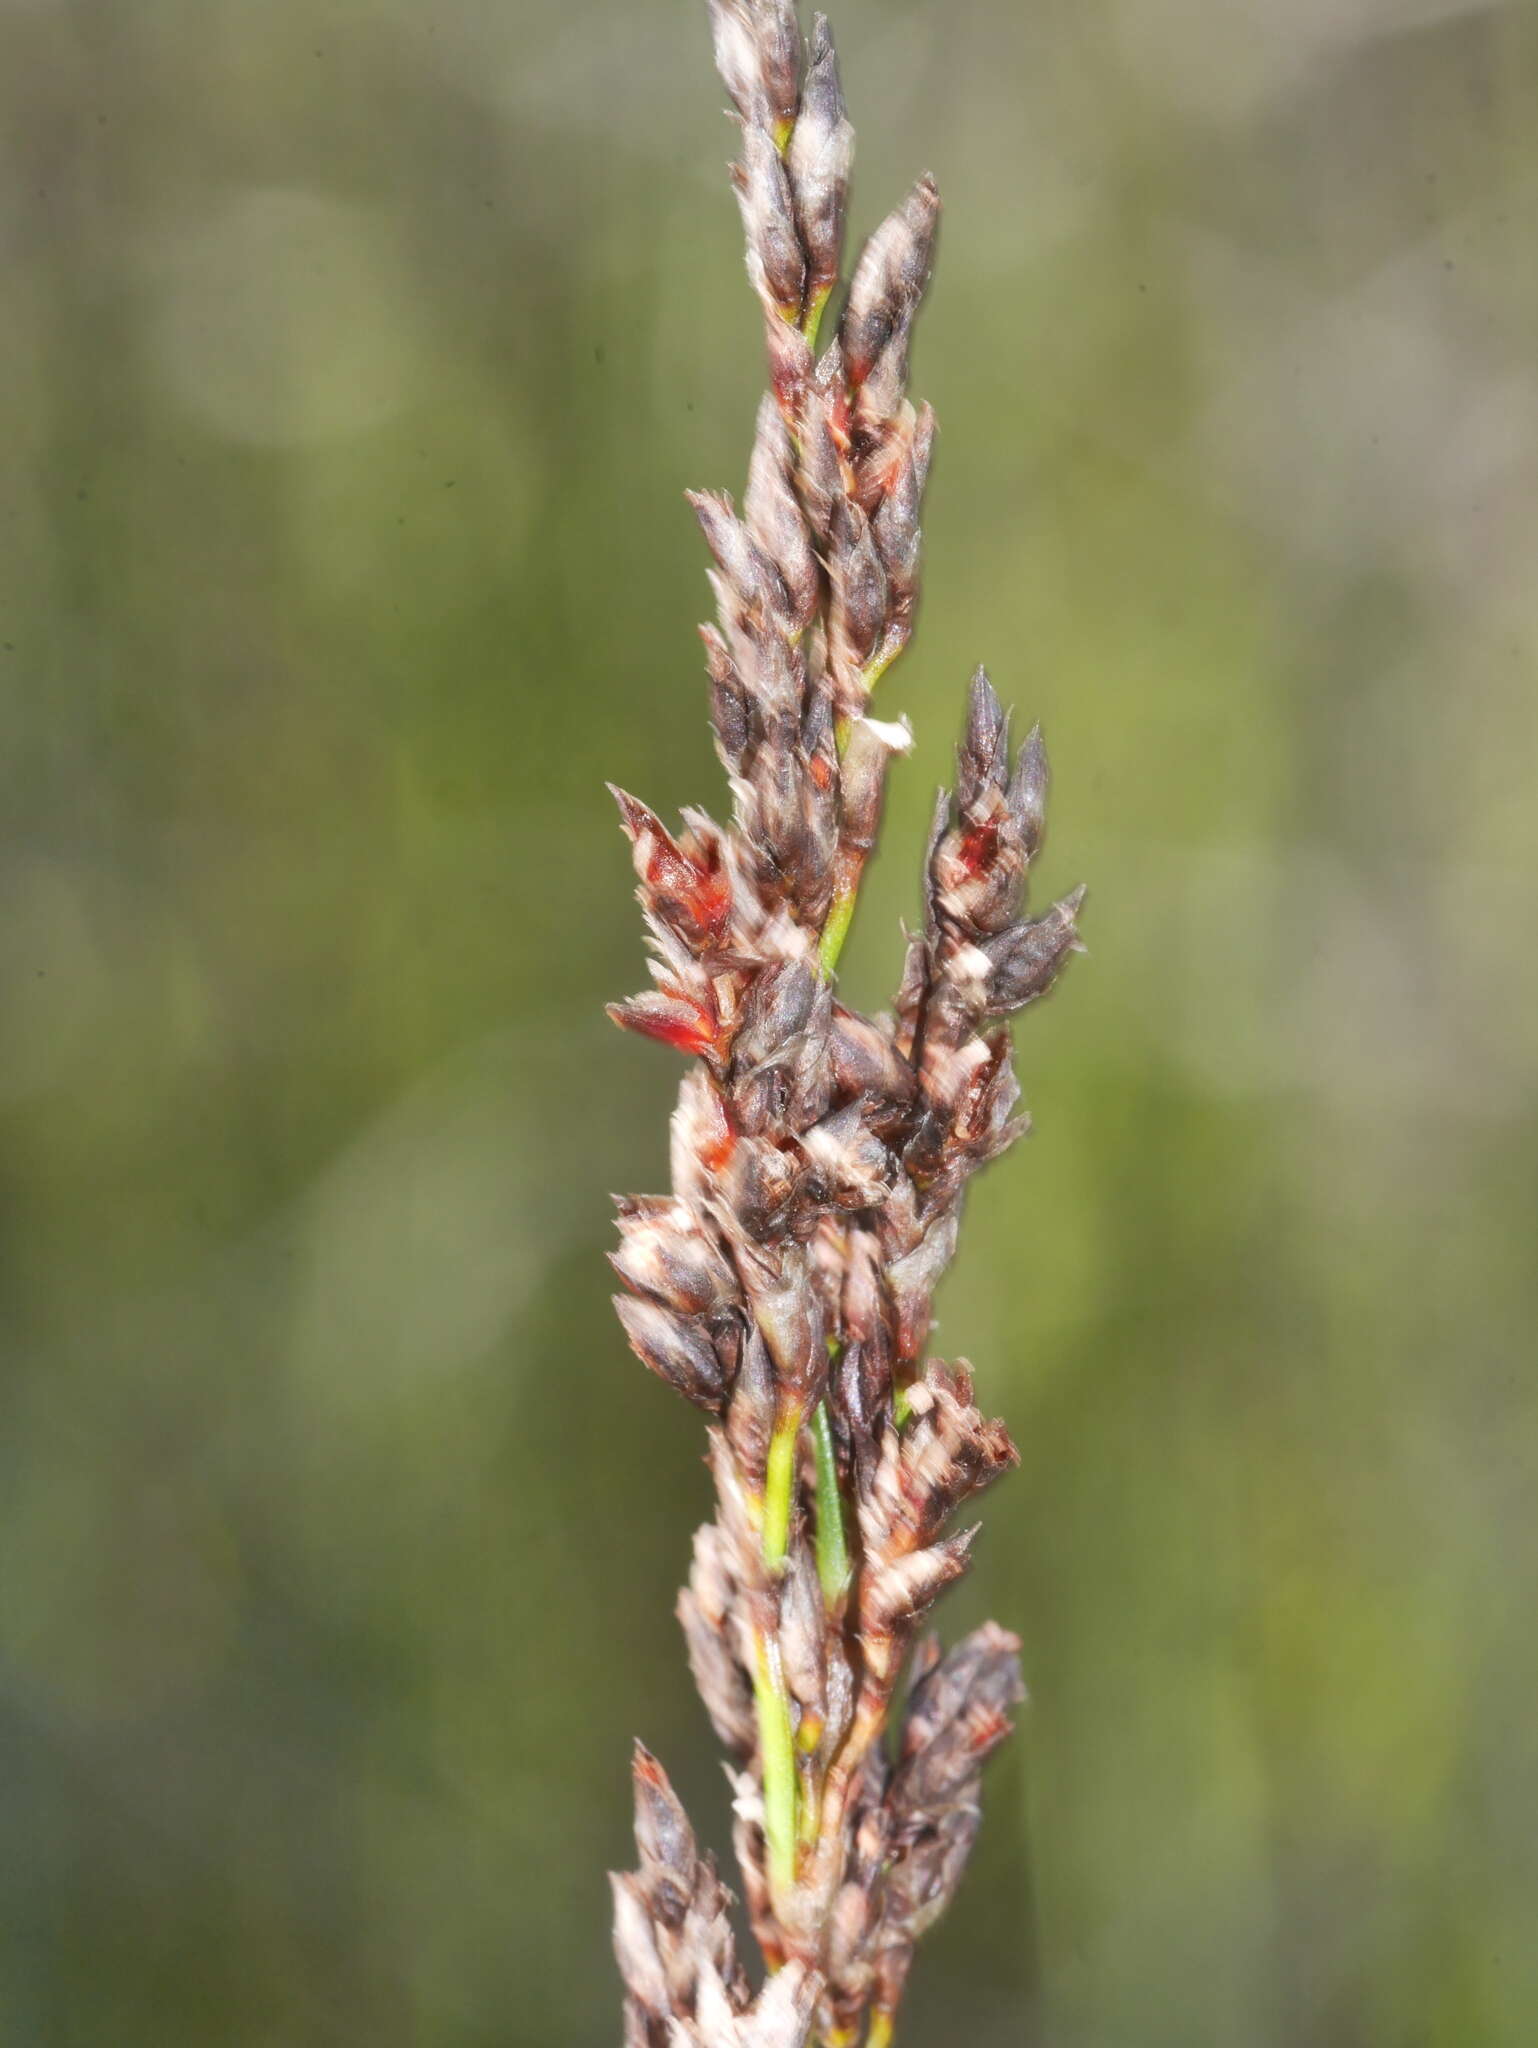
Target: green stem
847,891
832,1545
812,319
776,1748
780,1489
836,930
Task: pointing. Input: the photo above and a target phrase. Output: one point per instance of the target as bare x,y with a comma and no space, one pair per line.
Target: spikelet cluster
820,1157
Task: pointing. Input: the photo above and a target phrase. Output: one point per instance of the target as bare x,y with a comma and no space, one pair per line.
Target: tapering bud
774,517
801,1629
1026,958
737,55
982,758
859,586
758,54
779,40
823,445
664,1252
685,884
913,1278
672,1019
760,1187
895,486
820,153
784,1303
664,1840
750,1416
958,1714
776,262
889,280
1028,793
705,1607
678,1349
867,1064
749,585
897,1591
778,1007
729,712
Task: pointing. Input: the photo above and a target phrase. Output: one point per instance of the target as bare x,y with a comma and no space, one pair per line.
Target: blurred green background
354,355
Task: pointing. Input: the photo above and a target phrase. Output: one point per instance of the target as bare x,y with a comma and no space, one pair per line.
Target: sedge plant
819,1157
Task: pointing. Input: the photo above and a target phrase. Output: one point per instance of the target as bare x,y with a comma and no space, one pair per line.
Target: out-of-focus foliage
353,358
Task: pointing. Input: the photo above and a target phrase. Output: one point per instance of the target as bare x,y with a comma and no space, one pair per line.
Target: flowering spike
820,1158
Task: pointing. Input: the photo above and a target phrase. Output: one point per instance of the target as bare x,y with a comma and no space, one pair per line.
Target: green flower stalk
820,1157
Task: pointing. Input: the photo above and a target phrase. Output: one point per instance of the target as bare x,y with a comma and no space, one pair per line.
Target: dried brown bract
820,1158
